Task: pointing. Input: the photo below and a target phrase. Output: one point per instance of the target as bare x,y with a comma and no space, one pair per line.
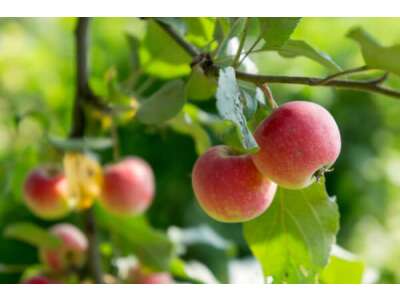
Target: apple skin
298,141
128,186
71,253
229,187
46,193
140,276
39,280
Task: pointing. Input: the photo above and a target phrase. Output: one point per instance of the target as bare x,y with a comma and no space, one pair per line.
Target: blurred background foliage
36,95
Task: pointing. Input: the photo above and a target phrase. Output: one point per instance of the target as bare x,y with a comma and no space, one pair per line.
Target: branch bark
78,130
370,85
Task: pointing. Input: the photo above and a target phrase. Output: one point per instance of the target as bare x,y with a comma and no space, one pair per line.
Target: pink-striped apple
298,142
128,186
70,254
45,193
229,187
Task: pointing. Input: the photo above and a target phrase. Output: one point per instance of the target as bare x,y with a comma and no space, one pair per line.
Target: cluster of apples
298,142
71,255
127,187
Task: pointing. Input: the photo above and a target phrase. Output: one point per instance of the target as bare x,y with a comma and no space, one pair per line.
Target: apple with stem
298,142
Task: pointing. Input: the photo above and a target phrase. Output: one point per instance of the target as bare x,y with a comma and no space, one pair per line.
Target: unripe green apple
298,142
128,186
70,254
46,193
229,187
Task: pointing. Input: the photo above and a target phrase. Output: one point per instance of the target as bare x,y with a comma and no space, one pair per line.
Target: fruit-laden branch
78,130
368,85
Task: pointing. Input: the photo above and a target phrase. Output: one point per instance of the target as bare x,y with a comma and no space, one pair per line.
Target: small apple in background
229,187
128,186
39,280
70,254
46,193
298,142
139,275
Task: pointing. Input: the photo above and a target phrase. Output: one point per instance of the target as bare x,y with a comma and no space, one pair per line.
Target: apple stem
268,94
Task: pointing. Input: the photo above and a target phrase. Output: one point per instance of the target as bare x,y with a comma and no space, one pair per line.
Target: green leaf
134,44
152,247
236,28
161,56
31,234
230,107
163,104
375,55
200,30
253,97
295,48
200,86
184,123
343,267
80,144
176,23
292,240
178,270
276,31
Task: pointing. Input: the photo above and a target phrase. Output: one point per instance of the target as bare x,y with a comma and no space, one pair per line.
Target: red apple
45,193
39,280
71,253
229,187
141,276
298,142
128,186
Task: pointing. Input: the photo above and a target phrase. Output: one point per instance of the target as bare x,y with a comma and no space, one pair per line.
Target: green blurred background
37,74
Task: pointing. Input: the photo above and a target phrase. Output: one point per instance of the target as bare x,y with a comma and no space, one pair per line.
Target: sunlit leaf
343,267
376,55
292,240
161,56
235,29
295,48
32,234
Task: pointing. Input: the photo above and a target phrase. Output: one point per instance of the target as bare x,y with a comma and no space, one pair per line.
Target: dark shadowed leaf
31,234
163,104
276,31
152,247
230,106
292,240
199,86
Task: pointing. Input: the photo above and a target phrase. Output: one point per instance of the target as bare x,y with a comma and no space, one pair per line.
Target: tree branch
371,85
78,130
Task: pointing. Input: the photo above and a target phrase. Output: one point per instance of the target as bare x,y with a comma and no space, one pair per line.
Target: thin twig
78,130
345,72
241,44
302,80
248,52
268,94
